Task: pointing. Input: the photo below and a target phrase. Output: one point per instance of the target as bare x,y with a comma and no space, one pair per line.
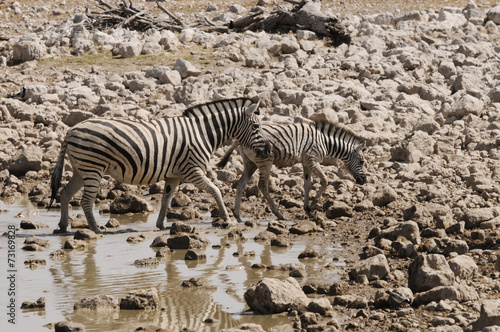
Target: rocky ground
419,82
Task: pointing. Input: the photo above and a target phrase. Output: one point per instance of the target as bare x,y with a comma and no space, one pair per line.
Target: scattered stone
280,241
463,267
297,274
99,303
35,244
129,203
58,253
136,238
180,227
112,223
409,230
159,241
274,296
146,262
85,234
304,227
193,282
33,263
277,227
163,252
457,292
69,327
141,300
429,271
38,304
489,315
308,253
375,267
28,224
194,255
320,305
75,244
189,241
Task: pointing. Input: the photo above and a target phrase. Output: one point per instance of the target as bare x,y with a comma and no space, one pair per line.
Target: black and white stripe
146,152
307,143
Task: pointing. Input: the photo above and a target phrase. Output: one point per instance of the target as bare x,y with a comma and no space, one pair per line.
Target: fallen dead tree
306,15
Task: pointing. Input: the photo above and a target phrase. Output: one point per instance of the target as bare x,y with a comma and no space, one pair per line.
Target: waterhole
107,268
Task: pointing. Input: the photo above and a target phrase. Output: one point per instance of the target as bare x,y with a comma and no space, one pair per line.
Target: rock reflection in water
107,267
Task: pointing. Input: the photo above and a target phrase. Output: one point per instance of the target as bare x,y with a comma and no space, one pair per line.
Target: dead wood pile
305,15
125,15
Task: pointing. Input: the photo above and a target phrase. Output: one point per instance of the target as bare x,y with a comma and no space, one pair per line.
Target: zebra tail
223,162
55,180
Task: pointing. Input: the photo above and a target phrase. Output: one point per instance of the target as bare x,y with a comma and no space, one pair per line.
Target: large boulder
272,295
429,271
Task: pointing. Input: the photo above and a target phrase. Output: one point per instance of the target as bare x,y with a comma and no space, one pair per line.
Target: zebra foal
146,152
307,143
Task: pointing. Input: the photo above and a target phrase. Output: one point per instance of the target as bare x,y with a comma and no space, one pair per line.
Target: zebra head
355,163
250,133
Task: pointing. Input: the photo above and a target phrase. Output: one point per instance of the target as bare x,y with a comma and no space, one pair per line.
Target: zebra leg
307,190
316,169
200,180
249,169
264,175
67,192
166,200
90,188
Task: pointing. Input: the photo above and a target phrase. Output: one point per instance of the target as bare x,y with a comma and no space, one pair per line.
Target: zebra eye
255,126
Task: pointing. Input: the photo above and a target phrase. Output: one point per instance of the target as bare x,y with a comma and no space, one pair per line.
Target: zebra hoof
96,230
60,231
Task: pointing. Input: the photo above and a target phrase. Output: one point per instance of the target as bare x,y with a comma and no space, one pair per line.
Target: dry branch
126,15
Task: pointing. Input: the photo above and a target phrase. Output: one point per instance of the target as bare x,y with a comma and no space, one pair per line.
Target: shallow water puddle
107,267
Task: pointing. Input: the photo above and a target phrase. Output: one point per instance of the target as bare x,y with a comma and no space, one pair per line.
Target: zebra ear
254,108
362,146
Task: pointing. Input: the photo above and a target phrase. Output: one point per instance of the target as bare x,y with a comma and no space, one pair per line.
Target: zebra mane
214,107
349,135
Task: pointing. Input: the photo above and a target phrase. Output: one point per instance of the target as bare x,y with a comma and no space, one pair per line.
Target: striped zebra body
146,152
307,143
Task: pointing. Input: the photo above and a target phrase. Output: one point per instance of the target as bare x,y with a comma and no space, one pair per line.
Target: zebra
307,142
146,152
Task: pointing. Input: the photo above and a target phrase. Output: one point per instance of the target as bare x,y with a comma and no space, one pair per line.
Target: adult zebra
307,143
141,152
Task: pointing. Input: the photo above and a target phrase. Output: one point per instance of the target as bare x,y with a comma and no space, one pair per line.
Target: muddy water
107,267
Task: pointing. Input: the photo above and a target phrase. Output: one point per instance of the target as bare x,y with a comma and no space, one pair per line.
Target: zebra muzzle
361,179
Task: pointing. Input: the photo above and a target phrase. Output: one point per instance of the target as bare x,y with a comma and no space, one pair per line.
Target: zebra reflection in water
146,152
308,143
